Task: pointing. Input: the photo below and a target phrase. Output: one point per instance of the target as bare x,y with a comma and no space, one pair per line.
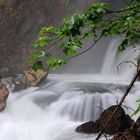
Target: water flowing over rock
3,95
60,105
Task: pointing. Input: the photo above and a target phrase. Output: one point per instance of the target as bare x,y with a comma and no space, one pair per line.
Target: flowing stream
64,101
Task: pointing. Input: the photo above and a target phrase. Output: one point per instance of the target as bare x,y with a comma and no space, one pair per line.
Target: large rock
132,133
89,128
3,95
119,123
35,78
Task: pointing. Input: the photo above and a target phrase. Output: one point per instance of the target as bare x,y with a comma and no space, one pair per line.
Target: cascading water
53,110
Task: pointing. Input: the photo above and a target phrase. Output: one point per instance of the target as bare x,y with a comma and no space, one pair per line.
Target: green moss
2,2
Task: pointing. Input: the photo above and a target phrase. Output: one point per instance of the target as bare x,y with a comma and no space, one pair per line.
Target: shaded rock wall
20,20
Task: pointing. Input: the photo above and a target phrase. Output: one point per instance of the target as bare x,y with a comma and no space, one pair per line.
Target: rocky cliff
20,21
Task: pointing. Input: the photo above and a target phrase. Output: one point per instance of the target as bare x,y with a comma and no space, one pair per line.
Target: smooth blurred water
53,110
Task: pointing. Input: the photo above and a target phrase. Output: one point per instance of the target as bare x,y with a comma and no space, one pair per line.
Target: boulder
3,95
35,78
132,133
119,122
89,128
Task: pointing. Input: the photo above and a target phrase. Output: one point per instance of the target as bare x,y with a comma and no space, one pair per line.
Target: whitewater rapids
53,110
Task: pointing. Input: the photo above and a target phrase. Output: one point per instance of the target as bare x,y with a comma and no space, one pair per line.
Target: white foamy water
55,109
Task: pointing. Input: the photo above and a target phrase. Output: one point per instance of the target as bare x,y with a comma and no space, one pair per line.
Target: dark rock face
119,123
132,133
3,96
20,21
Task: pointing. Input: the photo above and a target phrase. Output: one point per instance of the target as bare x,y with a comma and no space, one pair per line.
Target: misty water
64,101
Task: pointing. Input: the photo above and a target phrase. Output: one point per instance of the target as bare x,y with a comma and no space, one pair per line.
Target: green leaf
37,65
45,30
54,63
89,35
71,47
123,45
96,21
137,110
38,53
32,60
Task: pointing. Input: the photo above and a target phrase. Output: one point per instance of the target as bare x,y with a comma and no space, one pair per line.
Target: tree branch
125,62
95,42
124,10
53,44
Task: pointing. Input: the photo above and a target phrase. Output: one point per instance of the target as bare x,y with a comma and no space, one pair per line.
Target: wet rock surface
119,123
89,127
3,95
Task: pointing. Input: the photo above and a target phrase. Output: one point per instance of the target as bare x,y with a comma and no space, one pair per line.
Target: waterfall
53,110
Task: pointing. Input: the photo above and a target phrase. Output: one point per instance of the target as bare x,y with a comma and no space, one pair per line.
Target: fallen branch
120,103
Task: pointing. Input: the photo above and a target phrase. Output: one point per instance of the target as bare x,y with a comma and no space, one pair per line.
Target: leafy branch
94,23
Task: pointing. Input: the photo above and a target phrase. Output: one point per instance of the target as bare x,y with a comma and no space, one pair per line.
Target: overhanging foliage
98,21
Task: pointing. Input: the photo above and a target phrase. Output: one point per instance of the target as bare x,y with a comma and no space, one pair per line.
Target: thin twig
126,2
99,107
127,107
95,42
120,103
124,10
53,44
125,62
